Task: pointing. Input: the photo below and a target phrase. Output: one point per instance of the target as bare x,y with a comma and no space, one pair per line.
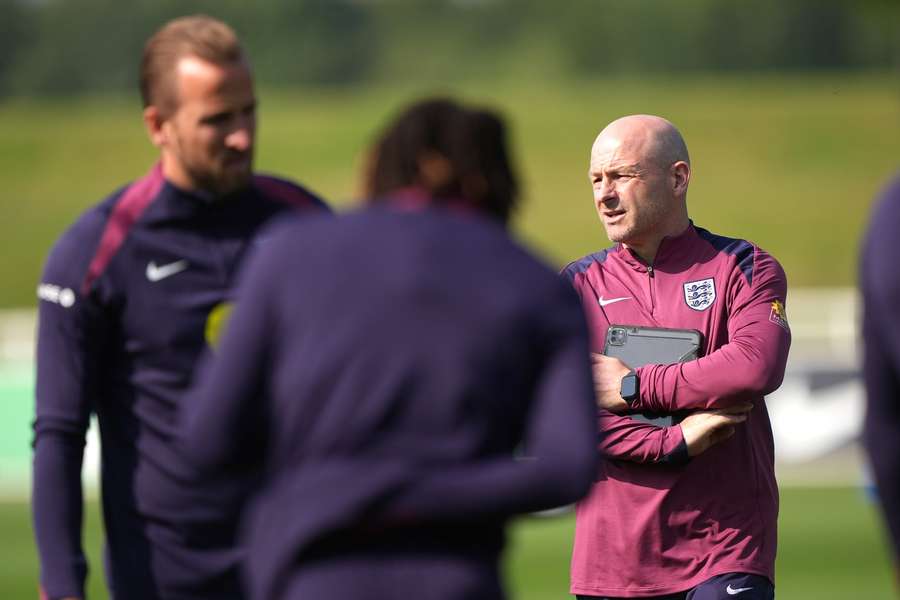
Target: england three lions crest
700,295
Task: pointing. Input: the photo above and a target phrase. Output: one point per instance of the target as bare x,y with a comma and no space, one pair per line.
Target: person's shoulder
884,220
85,232
290,232
70,255
890,193
524,266
288,193
749,258
732,246
583,264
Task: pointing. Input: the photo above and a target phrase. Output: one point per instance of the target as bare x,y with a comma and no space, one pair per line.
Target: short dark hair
471,140
197,35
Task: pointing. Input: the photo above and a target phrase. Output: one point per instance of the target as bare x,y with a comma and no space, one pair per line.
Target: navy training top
417,378
130,299
880,282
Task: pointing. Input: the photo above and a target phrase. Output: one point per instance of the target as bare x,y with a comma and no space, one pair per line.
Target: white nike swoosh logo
734,591
611,300
155,273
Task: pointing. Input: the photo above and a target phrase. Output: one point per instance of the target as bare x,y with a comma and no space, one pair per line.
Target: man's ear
681,177
156,126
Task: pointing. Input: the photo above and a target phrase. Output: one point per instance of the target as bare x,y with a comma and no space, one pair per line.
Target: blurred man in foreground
389,381
880,283
131,296
688,510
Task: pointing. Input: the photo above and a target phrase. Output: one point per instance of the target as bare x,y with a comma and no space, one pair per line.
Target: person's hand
706,428
608,373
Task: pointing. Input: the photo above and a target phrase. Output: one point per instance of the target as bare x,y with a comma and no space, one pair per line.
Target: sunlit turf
831,547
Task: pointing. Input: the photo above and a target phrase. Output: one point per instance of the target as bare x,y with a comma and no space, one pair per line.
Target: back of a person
423,365
406,377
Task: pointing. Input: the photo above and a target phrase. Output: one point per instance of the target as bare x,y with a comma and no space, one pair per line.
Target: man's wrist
630,388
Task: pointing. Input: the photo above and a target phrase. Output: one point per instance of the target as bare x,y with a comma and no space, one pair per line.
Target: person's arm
623,438
70,337
560,442
751,364
881,357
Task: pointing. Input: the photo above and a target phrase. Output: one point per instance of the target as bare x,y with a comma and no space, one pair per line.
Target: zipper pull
650,271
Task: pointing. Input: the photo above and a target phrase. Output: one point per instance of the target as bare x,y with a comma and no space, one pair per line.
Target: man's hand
608,373
706,428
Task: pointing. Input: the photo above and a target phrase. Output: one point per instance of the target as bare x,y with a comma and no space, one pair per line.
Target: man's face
210,135
631,194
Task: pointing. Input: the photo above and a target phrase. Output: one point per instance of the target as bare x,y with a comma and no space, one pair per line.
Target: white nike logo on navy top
157,273
611,300
734,591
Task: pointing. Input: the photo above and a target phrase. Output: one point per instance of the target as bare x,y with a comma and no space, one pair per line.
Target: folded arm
750,365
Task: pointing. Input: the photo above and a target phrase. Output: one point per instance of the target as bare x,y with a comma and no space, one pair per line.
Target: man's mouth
237,160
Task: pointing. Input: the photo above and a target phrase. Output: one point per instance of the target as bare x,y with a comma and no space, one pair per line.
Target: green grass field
791,162
830,547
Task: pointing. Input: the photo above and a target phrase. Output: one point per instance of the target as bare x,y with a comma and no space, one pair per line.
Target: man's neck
647,250
175,174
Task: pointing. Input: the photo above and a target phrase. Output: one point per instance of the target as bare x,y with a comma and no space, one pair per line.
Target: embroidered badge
700,295
778,315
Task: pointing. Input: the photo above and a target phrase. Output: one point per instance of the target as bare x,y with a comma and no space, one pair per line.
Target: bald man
685,510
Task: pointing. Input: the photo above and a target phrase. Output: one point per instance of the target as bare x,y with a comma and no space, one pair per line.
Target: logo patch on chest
699,295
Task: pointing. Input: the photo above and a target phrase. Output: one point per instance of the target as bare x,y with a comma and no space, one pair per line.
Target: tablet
637,346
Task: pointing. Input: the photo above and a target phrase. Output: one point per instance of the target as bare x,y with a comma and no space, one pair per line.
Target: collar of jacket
675,252
416,198
175,203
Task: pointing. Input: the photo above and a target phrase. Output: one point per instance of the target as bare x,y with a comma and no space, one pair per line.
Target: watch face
629,389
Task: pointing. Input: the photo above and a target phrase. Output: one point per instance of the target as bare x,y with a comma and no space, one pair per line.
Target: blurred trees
64,46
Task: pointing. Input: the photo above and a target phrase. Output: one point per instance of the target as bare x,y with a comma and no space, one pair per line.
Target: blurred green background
791,111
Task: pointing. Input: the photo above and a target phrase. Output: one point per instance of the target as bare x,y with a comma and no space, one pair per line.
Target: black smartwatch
630,388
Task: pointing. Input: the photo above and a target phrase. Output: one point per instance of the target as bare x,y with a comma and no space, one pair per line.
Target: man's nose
606,192
241,138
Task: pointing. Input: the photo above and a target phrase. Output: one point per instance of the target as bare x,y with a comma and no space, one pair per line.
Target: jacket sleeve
623,438
750,365
880,281
70,342
560,442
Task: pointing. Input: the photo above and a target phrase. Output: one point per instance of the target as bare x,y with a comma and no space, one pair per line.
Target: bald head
651,137
640,173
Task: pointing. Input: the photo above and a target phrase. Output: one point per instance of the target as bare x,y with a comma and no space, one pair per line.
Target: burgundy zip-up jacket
655,522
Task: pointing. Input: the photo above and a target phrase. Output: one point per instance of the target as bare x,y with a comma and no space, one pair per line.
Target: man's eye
216,119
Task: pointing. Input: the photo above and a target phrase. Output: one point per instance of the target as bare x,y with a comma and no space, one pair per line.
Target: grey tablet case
637,346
